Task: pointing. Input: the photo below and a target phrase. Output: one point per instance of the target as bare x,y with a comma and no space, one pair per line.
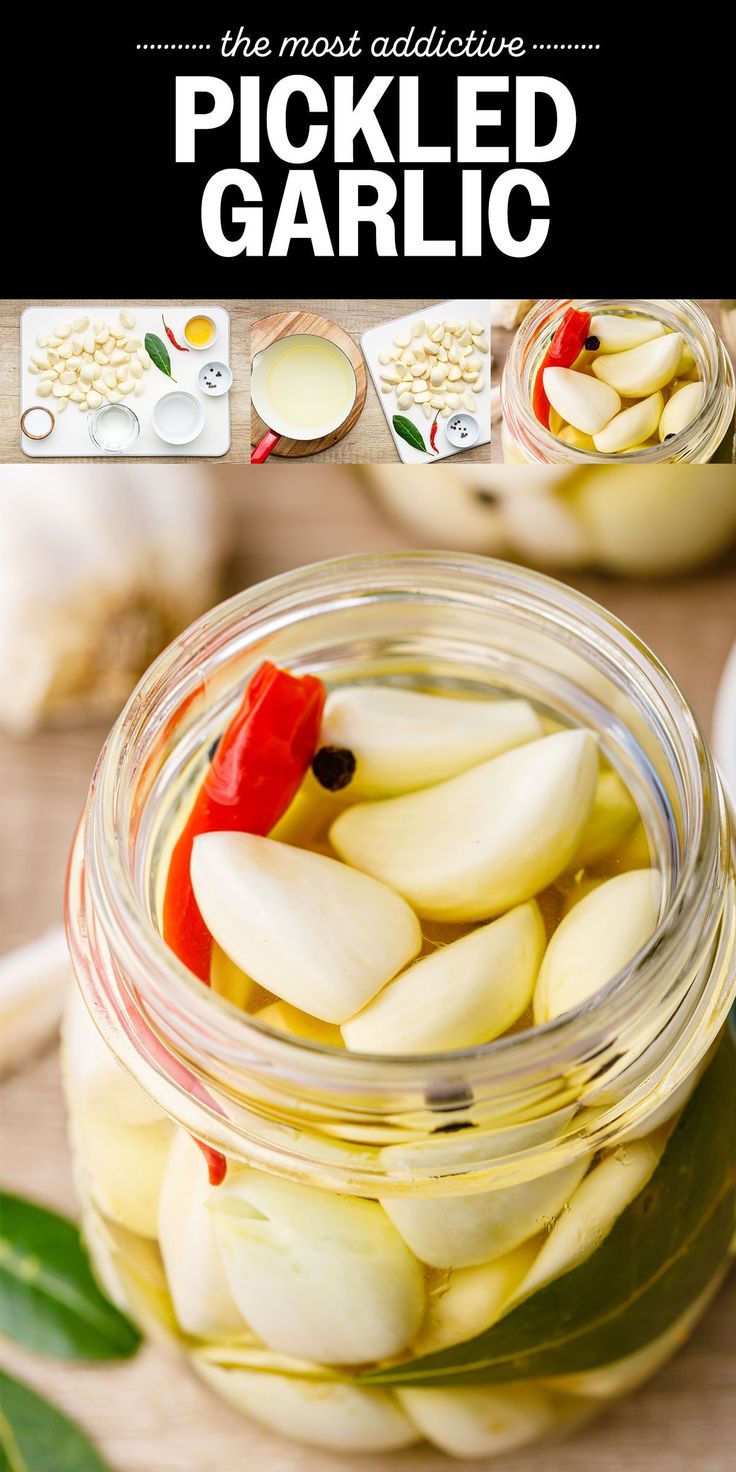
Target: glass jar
710,436
395,1251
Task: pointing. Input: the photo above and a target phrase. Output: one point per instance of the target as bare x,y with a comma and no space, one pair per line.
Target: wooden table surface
10,450
502,340
151,1413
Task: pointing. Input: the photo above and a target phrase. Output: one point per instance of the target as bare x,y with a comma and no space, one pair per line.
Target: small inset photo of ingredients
417,389
589,381
123,379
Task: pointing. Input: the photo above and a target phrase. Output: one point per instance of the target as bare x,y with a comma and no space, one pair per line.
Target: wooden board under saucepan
286,324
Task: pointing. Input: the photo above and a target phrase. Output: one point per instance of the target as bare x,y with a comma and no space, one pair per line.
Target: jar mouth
710,423
192,1019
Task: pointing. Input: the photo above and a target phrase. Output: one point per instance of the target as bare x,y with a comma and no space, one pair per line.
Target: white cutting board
376,339
70,435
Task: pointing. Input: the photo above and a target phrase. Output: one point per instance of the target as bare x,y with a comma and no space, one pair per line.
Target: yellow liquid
310,384
199,331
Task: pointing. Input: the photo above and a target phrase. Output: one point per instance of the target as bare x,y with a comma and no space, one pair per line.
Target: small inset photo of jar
589,381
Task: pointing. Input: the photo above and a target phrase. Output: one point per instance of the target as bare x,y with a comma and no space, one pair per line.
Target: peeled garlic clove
405,401
61,406
480,1421
319,1412
286,1247
464,993
572,436
227,979
582,401
680,410
481,842
612,817
404,739
599,937
617,334
122,1166
94,399
44,389
144,358
593,1209
139,388
283,1018
473,1300
640,371
631,427
316,933
195,1274
34,980
101,1087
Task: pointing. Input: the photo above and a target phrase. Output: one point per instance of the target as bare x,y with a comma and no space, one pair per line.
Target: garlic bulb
34,980
480,1421
592,1210
600,936
473,1299
482,842
316,933
323,1277
319,1411
97,573
196,1277
467,992
643,370
403,739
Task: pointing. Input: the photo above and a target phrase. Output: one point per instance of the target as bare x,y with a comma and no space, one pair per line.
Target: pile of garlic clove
90,363
437,366
635,384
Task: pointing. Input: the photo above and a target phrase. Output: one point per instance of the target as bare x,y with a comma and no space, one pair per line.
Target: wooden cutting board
286,324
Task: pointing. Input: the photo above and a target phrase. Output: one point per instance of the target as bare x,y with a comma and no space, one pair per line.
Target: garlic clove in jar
479,843
617,334
593,1209
581,400
681,409
130,1270
598,938
473,1299
121,1166
404,739
612,817
227,979
464,993
290,1020
480,1421
196,1277
641,371
309,929
99,1084
320,1276
631,427
302,1405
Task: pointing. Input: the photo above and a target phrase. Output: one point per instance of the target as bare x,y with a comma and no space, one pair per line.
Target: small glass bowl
108,413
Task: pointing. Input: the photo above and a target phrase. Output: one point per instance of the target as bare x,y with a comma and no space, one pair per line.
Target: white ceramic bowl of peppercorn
214,379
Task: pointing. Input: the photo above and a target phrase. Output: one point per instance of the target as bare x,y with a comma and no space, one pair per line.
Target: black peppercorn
592,344
669,437
334,767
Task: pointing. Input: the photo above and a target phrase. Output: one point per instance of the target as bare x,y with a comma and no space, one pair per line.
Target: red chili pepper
433,434
253,776
565,347
179,346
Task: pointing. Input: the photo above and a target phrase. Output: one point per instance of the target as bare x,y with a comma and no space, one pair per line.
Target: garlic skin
592,1210
196,1277
600,935
96,575
639,372
405,739
467,992
473,1300
319,1276
476,845
34,981
479,1421
312,931
319,1412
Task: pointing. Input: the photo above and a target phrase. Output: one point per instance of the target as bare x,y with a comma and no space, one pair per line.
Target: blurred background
99,568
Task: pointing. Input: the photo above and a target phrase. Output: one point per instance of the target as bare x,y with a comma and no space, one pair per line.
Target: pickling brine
414,1127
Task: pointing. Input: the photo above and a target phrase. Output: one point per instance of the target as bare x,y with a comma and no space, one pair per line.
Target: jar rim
708,427
195,1019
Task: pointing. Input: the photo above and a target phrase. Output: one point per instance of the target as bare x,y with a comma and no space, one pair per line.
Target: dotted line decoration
174,46
565,46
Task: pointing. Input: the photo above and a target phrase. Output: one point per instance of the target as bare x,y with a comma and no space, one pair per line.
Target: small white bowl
178,417
462,430
214,379
201,347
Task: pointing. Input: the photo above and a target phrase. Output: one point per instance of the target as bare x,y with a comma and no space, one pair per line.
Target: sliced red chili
255,772
566,345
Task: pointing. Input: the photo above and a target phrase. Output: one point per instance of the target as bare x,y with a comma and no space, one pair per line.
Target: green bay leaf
159,353
36,1437
49,1299
659,1256
409,432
